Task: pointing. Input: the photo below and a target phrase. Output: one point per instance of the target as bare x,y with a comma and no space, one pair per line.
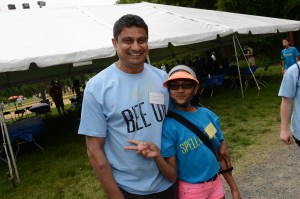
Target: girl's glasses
187,85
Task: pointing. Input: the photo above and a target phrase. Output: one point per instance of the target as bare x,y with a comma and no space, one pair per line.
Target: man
249,55
57,96
289,55
126,101
289,91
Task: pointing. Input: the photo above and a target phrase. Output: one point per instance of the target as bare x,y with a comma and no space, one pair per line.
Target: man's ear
114,42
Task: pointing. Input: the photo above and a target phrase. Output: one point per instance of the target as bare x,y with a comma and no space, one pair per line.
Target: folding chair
8,113
248,73
19,112
212,82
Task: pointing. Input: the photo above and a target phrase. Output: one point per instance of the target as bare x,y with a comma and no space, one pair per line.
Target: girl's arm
227,174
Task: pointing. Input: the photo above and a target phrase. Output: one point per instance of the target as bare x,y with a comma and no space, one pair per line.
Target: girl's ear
196,89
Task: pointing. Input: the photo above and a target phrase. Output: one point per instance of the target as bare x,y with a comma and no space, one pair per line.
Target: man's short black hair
287,39
128,21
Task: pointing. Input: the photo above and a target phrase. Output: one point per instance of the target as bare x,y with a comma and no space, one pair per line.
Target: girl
184,156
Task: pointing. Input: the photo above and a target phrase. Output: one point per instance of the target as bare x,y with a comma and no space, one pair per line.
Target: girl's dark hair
196,99
128,21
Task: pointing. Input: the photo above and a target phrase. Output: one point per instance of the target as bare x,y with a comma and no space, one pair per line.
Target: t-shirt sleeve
296,52
168,142
93,122
219,133
288,86
217,124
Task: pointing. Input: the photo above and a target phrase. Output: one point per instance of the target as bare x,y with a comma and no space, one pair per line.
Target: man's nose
135,46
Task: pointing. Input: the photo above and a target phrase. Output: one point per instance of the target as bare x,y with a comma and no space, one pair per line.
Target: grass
250,125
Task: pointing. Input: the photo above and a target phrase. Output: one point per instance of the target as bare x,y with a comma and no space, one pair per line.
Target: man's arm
285,113
100,164
282,66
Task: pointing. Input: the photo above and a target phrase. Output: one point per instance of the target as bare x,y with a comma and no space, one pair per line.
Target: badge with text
156,98
210,130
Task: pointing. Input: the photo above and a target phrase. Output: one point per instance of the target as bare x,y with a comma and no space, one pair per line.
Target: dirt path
275,178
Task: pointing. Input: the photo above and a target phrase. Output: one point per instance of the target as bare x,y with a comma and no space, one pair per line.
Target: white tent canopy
54,38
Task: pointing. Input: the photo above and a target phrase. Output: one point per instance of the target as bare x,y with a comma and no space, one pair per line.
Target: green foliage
288,9
204,4
291,9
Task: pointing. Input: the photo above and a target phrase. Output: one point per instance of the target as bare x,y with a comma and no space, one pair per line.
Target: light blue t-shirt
118,106
195,161
289,56
290,88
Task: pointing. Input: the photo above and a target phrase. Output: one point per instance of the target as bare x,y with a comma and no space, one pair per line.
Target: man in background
289,55
57,97
249,55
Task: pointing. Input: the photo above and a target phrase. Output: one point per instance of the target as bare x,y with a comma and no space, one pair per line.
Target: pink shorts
206,190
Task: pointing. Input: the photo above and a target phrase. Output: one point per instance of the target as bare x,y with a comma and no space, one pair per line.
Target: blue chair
247,74
211,82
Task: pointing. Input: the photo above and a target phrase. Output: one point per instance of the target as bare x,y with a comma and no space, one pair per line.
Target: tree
291,10
273,8
204,4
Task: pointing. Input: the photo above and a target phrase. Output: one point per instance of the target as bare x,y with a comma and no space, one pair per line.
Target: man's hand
286,137
145,149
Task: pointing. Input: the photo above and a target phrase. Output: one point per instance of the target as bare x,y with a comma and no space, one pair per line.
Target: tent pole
256,82
238,66
3,124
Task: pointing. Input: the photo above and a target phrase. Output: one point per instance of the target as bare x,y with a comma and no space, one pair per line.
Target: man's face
285,43
132,49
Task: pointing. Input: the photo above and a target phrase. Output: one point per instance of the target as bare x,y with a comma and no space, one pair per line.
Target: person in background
212,63
57,97
19,101
2,106
126,101
183,155
289,55
249,55
76,87
163,67
290,100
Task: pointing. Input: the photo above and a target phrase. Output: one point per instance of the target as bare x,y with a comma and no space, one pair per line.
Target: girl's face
181,92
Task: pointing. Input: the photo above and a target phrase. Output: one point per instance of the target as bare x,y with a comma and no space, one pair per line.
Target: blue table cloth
25,129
